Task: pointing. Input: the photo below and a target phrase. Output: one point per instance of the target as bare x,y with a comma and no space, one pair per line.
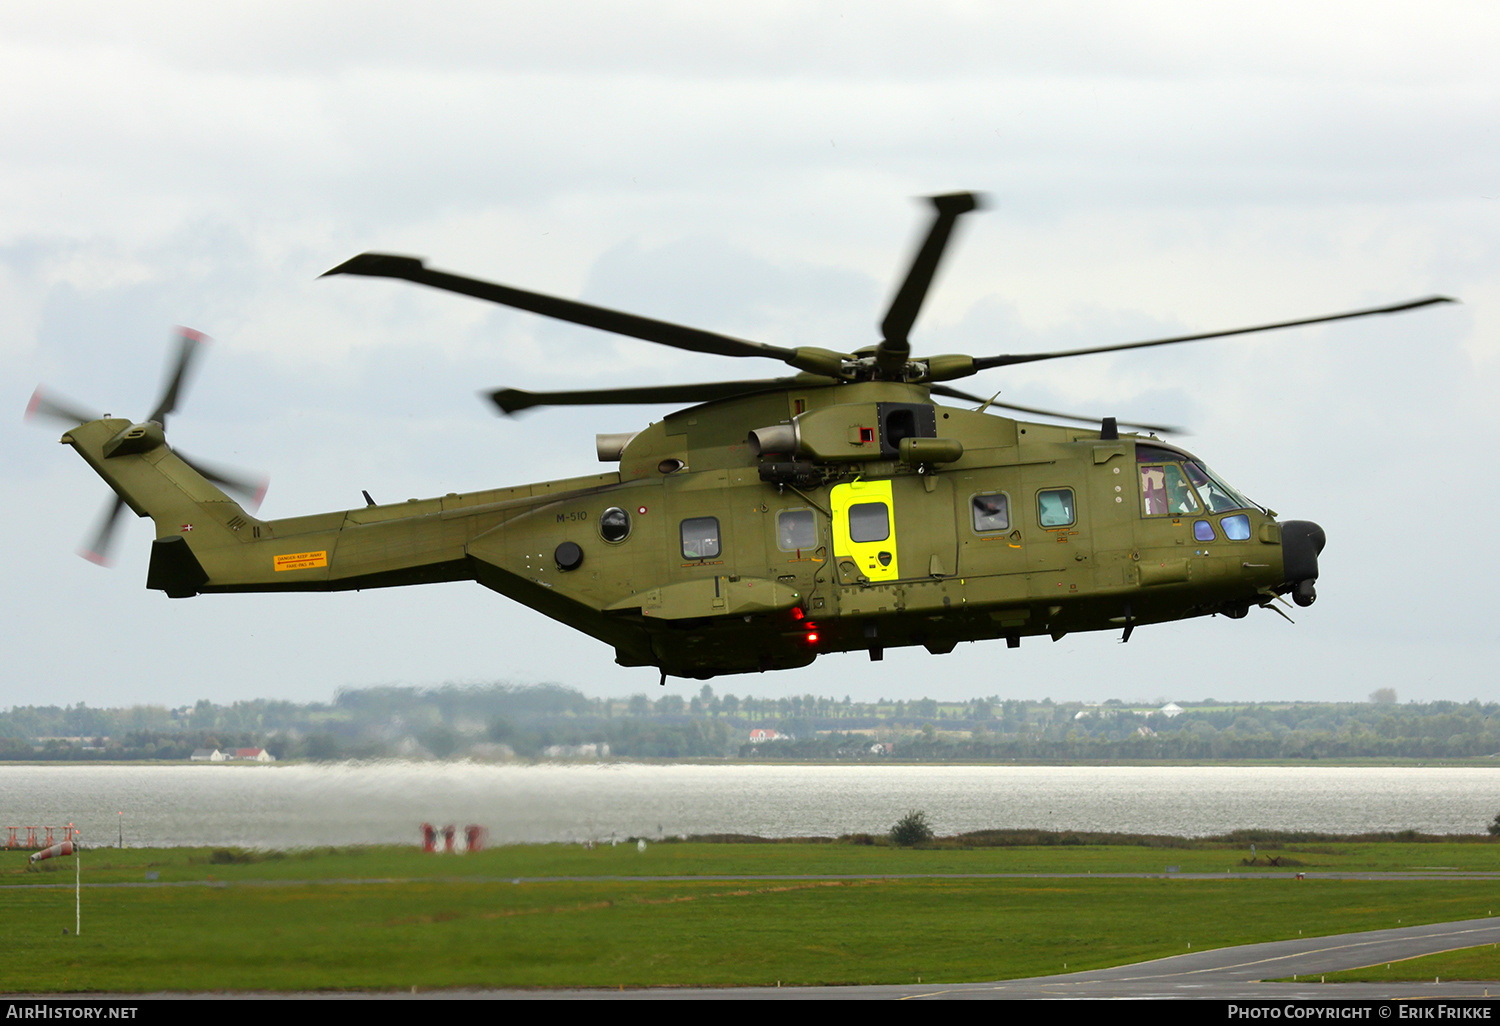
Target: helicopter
837,509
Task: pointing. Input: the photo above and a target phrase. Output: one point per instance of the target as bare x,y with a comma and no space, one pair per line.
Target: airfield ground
696,914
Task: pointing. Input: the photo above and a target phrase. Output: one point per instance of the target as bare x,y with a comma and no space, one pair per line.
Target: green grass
1481,963
111,865
449,921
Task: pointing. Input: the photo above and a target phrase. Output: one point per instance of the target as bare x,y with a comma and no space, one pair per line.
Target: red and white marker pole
68,847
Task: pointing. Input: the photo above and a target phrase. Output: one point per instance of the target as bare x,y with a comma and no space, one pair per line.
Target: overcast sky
1151,168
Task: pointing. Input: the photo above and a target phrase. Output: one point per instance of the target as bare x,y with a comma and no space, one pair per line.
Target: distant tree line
537,721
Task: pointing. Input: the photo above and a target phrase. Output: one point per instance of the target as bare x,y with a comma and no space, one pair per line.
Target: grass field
395,918
1481,963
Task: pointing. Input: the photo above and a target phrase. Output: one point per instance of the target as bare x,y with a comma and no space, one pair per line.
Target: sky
1151,168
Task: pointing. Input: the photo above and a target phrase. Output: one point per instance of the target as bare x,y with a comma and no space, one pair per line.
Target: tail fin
195,519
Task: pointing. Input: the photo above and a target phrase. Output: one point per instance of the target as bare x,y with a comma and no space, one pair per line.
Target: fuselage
864,517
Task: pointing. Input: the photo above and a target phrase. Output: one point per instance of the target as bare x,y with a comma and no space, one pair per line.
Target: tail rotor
47,405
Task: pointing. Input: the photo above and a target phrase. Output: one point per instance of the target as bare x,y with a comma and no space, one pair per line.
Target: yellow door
864,528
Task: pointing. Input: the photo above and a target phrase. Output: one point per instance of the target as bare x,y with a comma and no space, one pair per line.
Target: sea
307,805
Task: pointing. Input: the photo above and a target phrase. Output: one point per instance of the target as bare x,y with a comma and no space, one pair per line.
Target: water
380,803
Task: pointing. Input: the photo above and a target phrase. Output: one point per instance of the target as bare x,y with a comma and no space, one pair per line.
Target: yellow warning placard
300,560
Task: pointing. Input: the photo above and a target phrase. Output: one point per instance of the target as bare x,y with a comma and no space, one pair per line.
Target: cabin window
990,512
1054,507
614,524
869,522
1203,530
796,530
700,538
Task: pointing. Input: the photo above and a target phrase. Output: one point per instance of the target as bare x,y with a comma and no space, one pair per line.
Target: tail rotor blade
250,490
55,407
97,550
188,343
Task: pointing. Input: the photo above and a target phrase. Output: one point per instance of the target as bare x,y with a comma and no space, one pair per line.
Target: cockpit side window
1175,483
1153,491
1218,496
1165,490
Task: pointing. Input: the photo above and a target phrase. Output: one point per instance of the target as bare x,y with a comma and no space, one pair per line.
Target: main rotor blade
514,400
986,362
57,408
908,302
384,265
97,550
188,342
953,393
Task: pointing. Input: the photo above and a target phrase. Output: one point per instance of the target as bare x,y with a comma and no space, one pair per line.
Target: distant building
589,751
1171,709
765,734
233,755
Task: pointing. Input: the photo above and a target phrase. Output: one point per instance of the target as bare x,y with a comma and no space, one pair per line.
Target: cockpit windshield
1175,484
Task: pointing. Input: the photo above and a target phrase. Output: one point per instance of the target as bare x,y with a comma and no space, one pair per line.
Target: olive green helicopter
837,509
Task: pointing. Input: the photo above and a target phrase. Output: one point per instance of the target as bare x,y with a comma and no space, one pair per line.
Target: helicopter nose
1301,543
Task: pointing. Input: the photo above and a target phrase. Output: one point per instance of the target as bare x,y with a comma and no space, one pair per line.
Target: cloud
1153,168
